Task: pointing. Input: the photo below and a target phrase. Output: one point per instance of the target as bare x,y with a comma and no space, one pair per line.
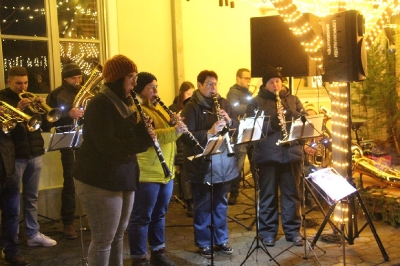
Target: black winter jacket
199,118
268,150
27,144
112,138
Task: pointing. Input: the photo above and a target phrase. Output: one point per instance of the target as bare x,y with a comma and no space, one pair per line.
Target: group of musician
124,169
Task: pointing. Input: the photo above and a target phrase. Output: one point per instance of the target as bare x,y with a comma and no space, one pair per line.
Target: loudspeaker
274,44
344,54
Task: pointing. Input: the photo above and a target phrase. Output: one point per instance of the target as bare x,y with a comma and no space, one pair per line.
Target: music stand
61,138
304,128
211,148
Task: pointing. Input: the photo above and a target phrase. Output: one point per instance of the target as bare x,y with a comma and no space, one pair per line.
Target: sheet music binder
332,186
250,129
64,140
212,147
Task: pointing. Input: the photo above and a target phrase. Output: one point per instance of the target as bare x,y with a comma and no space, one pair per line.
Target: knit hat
71,70
271,72
118,67
143,78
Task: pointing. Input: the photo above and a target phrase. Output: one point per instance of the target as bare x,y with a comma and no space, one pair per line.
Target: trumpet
53,114
175,119
12,116
225,130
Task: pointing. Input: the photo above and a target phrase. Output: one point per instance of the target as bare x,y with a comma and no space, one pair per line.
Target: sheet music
212,147
247,127
333,184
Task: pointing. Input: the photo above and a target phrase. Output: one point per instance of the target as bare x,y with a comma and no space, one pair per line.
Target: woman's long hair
185,86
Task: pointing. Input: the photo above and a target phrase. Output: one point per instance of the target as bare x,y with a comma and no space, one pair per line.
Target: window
28,39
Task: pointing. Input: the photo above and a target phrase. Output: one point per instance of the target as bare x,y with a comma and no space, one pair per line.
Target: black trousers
68,204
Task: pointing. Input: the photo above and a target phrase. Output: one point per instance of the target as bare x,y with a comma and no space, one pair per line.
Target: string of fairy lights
82,53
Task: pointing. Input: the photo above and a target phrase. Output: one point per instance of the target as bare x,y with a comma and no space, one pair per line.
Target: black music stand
65,137
212,148
251,131
304,128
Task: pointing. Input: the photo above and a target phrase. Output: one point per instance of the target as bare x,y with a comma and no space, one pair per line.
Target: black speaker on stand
344,52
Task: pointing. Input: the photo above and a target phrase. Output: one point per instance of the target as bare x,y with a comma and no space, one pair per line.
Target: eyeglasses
246,78
210,84
153,87
132,77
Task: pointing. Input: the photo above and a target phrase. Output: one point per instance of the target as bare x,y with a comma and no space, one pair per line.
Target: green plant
376,98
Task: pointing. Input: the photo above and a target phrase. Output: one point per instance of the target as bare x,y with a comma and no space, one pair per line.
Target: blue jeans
29,171
147,221
108,214
202,213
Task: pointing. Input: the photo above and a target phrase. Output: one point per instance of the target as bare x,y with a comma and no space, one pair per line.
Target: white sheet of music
247,127
212,147
333,184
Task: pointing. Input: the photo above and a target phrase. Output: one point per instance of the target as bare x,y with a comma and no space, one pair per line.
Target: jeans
10,200
29,171
108,215
202,213
68,191
147,222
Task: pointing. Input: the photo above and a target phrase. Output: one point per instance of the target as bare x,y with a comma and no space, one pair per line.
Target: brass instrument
156,145
376,170
224,132
283,126
87,91
12,116
175,119
53,114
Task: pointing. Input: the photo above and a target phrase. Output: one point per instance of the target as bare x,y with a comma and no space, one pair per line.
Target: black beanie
270,72
143,78
71,70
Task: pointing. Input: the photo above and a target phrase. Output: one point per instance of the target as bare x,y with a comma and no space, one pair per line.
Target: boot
140,262
189,208
160,258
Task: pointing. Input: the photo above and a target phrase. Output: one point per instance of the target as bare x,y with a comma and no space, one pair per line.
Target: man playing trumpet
29,148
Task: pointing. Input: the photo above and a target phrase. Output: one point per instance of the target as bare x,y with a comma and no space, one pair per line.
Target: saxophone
283,126
225,130
175,119
86,92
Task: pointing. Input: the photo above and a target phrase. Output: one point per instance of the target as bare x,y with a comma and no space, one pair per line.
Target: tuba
87,91
12,116
53,114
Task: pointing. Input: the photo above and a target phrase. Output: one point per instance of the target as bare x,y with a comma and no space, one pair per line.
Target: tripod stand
257,238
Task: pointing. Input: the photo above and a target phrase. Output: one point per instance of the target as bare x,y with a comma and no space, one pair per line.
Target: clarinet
156,145
283,126
225,129
175,119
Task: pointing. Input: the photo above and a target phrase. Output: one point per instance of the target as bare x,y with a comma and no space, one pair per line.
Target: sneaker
225,248
140,262
159,257
17,260
3,256
69,232
205,252
41,240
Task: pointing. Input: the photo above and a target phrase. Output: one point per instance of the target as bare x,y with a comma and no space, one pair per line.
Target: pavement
371,243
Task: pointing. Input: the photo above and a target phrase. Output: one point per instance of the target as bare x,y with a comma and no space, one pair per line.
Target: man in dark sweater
63,98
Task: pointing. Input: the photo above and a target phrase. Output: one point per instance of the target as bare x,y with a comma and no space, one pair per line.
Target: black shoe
232,199
225,248
205,252
17,261
140,262
297,240
189,208
269,241
160,258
